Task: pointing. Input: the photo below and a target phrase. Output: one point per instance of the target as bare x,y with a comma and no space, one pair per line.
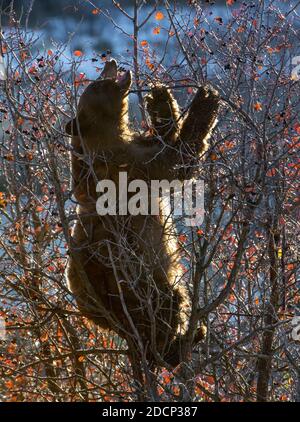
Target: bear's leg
201,119
164,113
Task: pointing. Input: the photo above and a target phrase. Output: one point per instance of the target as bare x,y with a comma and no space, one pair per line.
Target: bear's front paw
207,95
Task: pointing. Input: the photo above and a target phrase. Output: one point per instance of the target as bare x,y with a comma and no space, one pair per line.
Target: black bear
124,269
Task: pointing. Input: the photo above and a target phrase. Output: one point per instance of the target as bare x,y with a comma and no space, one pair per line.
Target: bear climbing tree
124,269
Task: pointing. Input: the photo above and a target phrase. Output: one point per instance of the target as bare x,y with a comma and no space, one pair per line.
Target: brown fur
124,271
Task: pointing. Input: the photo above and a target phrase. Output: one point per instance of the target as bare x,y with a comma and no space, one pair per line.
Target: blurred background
96,26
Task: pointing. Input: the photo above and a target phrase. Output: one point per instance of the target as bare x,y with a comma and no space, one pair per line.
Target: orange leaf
96,11
144,43
9,384
159,16
29,156
9,157
32,70
182,238
23,55
257,106
167,379
210,380
297,128
271,172
156,30
3,49
44,337
78,53
20,121
231,298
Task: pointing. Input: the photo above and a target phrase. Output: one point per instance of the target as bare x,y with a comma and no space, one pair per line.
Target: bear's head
103,103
